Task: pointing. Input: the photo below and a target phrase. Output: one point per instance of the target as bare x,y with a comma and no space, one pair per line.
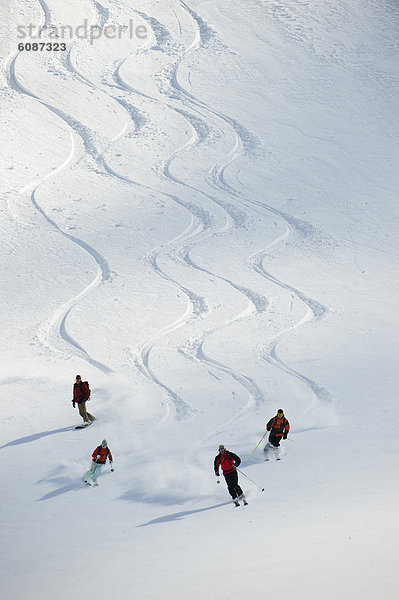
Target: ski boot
243,498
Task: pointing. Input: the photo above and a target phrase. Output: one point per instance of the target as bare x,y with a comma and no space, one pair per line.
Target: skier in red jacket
229,462
100,455
279,428
81,393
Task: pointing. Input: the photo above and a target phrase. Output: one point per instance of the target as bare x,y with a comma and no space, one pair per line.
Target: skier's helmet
104,444
280,411
221,448
78,378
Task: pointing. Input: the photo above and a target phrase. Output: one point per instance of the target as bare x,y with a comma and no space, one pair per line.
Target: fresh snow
203,224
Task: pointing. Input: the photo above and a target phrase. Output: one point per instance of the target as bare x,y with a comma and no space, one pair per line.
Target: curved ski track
77,130
314,309
198,126
200,118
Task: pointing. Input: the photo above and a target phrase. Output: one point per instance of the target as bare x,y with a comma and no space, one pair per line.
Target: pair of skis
268,459
237,503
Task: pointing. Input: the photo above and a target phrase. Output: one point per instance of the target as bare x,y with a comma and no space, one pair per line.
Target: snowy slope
203,223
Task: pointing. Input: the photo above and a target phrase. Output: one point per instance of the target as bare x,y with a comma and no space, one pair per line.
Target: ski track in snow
197,125
198,304
46,13
315,310
242,137
59,317
201,118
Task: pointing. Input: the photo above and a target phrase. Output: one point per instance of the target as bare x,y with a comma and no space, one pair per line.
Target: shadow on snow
180,515
70,487
35,436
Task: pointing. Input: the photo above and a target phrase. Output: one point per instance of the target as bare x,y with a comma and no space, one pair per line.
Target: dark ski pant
274,439
87,417
232,484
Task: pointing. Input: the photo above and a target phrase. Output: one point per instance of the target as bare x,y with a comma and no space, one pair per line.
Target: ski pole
249,458
90,472
242,473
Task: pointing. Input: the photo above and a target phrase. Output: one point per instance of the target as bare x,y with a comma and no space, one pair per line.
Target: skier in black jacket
279,428
229,462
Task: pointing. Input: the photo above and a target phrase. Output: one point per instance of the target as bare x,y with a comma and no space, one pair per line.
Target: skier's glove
217,474
73,403
285,436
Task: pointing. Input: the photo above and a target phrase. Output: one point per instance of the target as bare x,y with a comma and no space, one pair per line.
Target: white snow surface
203,223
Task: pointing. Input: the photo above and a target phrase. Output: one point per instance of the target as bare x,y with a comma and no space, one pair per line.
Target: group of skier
278,428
